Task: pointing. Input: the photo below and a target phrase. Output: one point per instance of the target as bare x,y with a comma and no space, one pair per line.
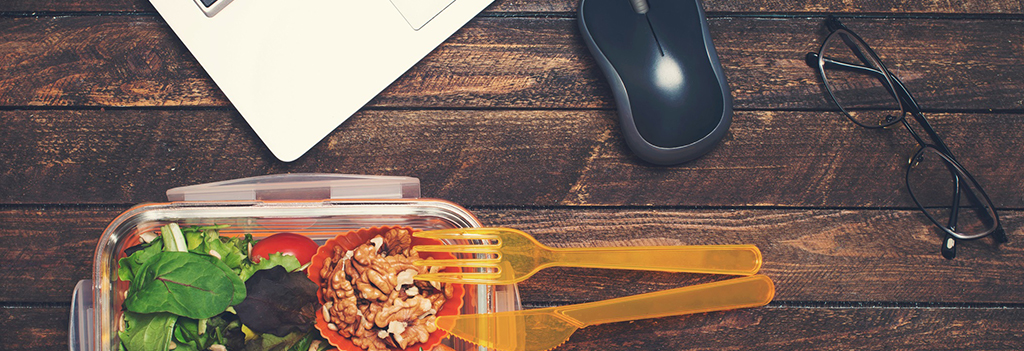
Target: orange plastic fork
506,256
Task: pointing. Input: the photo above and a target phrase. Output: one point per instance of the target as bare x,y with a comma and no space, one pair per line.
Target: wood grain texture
99,61
31,329
46,254
102,107
813,329
812,255
570,6
514,158
773,327
518,63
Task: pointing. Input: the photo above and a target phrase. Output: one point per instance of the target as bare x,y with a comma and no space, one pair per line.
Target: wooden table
102,107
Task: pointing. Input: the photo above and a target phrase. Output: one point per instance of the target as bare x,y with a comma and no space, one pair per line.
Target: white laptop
296,69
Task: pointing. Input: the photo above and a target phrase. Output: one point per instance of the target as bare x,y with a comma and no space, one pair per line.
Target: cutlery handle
710,259
752,291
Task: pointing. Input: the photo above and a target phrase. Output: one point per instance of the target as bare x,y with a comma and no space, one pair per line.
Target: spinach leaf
270,342
187,335
224,248
186,284
206,240
288,262
279,302
151,331
225,329
290,342
200,335
305,342
128,266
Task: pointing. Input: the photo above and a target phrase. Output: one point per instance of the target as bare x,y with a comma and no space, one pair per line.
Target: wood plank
570,6
137,61
512,158
31,329
812,255
813,329
99,61
774,327
47,252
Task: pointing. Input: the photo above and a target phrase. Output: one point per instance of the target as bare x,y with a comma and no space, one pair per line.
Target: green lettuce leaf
288,262
185,284
151,331
279,302
127,267
270,342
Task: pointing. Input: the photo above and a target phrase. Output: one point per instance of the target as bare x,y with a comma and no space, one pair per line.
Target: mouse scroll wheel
640,6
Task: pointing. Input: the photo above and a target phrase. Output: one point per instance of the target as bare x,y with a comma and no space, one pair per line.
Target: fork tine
470,263
485,249
460,278
456,234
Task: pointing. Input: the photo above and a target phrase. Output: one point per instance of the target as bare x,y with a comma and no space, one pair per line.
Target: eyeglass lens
854,78
947,196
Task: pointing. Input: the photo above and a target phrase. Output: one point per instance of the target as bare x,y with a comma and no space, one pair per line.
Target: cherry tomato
296,245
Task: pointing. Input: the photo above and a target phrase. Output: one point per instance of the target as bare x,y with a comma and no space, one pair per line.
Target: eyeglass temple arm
998,233
833,24
949,244
900,90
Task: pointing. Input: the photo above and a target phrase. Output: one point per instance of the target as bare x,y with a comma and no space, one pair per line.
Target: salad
192,289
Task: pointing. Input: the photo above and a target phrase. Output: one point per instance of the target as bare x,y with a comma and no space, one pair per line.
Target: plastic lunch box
316,205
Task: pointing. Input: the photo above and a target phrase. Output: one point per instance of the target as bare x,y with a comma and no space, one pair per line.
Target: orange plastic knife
547,328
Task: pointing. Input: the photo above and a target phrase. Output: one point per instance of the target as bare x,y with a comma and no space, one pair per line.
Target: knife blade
547,328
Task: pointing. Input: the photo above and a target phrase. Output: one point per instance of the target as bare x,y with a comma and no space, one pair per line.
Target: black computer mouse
673,101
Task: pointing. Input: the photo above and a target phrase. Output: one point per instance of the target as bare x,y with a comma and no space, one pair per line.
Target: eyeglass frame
908,104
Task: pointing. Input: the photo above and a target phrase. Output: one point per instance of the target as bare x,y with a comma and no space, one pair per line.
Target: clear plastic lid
301,186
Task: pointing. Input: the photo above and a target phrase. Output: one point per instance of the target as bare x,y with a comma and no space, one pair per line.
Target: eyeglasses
870,96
